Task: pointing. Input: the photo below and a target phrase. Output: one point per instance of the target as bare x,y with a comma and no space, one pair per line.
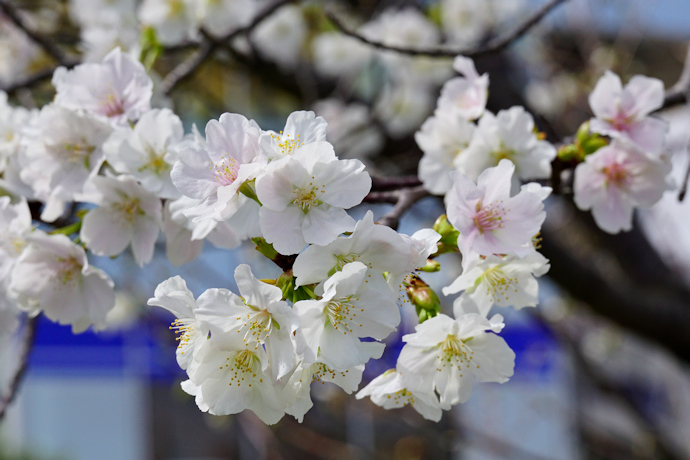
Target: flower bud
425,300
449,236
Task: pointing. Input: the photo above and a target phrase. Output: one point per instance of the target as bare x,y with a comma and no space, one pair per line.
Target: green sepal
431,266
150,47
265,248
73,227
286,283
247,189
449,236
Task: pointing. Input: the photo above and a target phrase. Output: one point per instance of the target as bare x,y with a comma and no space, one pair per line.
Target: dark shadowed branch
403,199
494,46
44,42
210,43
26,346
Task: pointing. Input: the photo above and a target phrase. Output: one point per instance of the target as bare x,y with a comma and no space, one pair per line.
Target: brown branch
209,45
393,183
30,81
403,199
494,46
684,186
46,44
26,346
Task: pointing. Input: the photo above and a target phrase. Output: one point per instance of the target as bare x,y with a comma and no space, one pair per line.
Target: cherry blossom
127,214
444,354
388,391
489,220
145,152
301,128
305,195
379,247
298,388
355,304
464,96
615,179
117,90
213,173
442,138
62,151
510,135
53,276
622,112
502,281
173,20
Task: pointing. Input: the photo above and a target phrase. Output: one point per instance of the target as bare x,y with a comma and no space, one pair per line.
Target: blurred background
602,363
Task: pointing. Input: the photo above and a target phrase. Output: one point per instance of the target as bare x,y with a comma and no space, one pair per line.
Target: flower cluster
450,141
634,170
113,168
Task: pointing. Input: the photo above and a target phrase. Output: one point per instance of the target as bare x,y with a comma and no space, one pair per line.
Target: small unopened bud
286,283
425,300
431,266
449,235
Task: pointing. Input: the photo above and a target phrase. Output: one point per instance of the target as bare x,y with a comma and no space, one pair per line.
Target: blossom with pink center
622,112
491,221
214,172
616,179
117,89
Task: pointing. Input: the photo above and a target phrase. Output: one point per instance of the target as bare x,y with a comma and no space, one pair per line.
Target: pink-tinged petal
647,92
144,238
604,127
614,213
103,234
191,174
323,224
232,135
605,97
648,135
495,182
588,186
461,201
283,229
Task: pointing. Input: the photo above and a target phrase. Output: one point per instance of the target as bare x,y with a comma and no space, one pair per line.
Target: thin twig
393,183
46,44
26,346
684,186
191,64
403,200
494,46
29,81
